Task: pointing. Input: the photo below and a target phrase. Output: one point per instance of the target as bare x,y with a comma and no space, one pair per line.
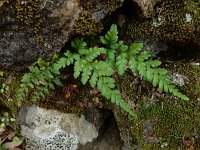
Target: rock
30,29
177,78
33,29
175,22
109,134
147,6
52,130
147,132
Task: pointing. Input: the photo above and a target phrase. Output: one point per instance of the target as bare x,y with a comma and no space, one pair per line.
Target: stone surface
30,29
147,6
52,130
49,129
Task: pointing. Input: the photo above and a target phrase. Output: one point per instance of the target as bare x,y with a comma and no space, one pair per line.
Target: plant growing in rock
38,82
118,58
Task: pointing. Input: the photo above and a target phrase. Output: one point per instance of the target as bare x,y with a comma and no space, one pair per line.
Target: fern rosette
98,73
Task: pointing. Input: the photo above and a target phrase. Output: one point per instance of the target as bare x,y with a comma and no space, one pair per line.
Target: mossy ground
175,122
169,23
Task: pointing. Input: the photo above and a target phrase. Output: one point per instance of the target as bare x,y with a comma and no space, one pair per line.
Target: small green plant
3,86
9,138
6,120
98,72
38,82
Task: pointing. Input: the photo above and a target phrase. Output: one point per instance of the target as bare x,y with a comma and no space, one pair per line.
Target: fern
119,57
98,73
38,82
139,62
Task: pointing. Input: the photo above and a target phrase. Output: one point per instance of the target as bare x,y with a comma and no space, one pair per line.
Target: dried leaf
12,145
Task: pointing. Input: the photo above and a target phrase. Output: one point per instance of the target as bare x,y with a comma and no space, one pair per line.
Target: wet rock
50,129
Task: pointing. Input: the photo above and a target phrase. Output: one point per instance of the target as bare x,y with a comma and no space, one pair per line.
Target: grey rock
50,129
178,79
33,29
147,130
30,29
147,6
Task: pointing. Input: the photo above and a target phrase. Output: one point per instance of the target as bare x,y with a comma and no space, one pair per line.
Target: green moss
168,23
29,13
85,25
8,98
174,121
110,5
192,73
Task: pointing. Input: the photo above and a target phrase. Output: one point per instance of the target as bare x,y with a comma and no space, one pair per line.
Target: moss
110,5
192,73
85,25
175,122
8,98
29,13
168,23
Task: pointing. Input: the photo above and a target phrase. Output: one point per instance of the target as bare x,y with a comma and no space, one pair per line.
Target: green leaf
41,63
153,63
135,48
121,63
93,80
78,44
92,53
133,65
155,81
77,69
85,75
111,37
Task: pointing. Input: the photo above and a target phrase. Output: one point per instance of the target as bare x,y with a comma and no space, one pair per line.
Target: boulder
50,129
30,29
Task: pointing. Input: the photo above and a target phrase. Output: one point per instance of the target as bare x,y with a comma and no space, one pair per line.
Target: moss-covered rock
172,20
163,122
89,20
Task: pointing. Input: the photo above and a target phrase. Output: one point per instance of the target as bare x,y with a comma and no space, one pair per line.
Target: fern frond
102,68
114,95
111,37
40,80
86,75
135,48
121,63
78,44
133,64
93,53
37,82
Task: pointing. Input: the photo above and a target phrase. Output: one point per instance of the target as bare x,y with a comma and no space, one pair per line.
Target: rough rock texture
52,130
175,22
30,29
147,6
49,129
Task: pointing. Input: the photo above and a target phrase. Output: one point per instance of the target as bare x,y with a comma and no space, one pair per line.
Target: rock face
147,6
30,29
49,129
34,28
52,130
